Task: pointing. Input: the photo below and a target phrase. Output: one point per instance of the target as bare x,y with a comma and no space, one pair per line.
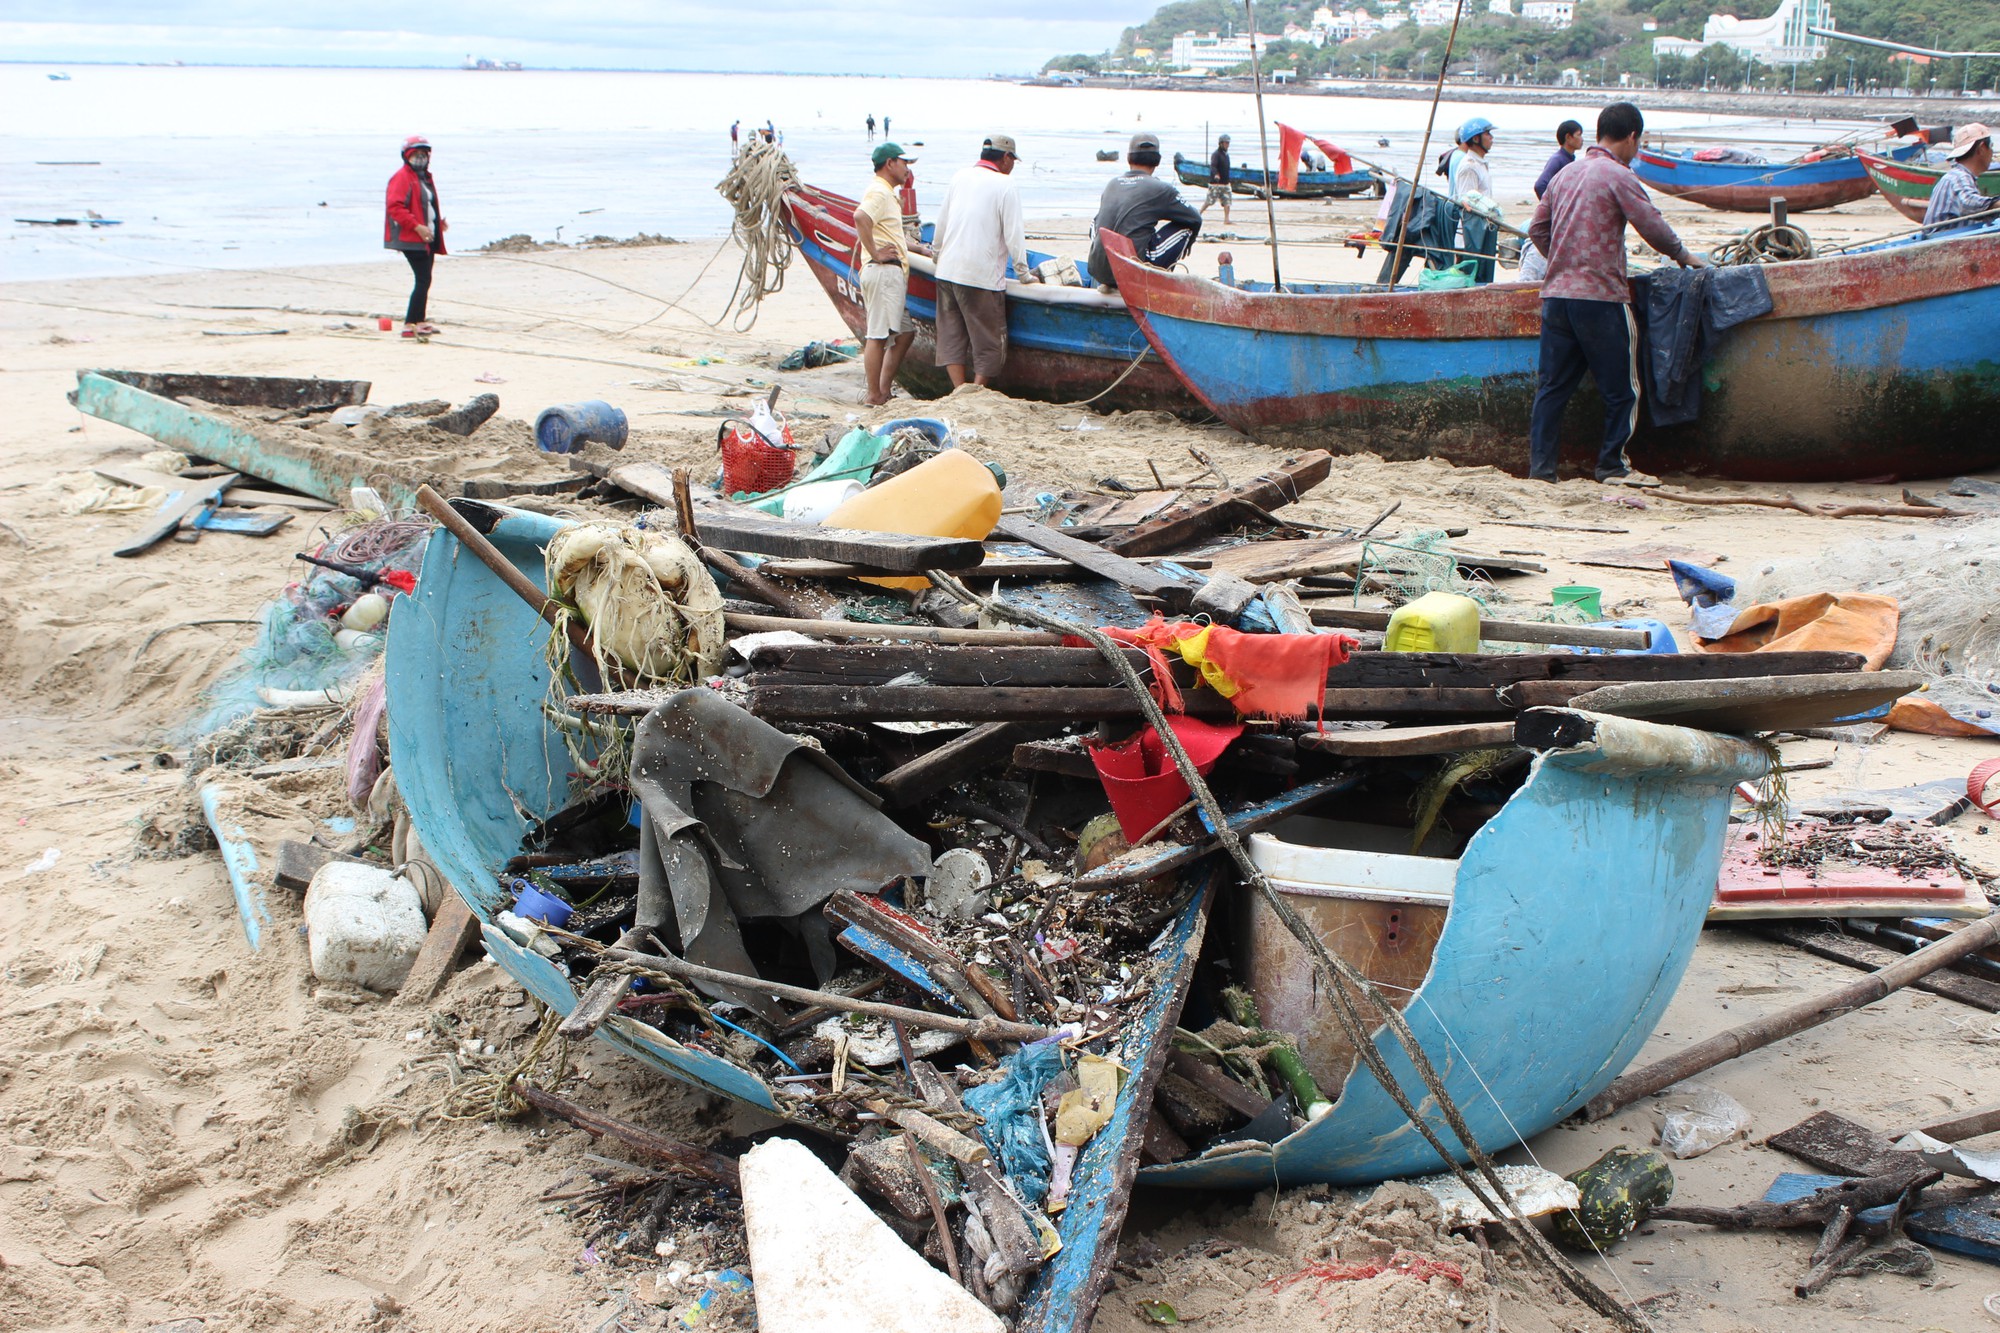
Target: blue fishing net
1013,1128
295,648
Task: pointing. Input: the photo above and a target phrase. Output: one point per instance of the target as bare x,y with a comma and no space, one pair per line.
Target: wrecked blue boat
1532,956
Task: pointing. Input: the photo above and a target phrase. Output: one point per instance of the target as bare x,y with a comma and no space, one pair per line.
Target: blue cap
1473,128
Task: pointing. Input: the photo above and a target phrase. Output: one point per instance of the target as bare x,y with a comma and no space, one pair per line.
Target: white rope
755,187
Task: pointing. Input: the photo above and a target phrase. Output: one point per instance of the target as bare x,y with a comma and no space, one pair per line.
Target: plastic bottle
1437,622
951,495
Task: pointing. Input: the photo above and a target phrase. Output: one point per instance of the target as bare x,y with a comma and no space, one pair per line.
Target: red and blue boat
1820,179
1310,184
1880,362
1064,344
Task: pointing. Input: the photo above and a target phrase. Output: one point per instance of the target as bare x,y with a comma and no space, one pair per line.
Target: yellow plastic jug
1437,622
951,495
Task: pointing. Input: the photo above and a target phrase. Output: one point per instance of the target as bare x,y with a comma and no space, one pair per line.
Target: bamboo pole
1423,153
1264,146
1772,1027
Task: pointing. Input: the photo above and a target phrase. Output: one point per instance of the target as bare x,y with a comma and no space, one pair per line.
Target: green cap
888,151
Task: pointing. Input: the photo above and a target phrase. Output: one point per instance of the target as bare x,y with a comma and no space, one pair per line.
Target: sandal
427,329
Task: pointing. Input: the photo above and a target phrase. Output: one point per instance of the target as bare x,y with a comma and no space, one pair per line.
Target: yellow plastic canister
1437,622
951,495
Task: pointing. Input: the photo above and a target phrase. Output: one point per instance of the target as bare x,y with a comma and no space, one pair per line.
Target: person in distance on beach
1957,194
978,230
882,263
871,126
1145,210
1569,142
416,226
1219,179
735,138
1587,322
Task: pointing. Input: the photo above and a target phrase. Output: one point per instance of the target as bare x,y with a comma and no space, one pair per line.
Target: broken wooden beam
1836,947
1092,558
1814,1210
1500,631
1396,742
685,1158
749,623
954,761
959,703
1774,1027
1185,524
452,929
277,391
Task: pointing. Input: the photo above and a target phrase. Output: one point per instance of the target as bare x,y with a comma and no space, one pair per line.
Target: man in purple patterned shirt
1587,322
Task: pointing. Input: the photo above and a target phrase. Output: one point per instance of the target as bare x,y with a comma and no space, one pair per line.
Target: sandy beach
193,1131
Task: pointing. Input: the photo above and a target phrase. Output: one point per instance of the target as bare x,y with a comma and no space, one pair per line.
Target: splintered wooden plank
1126,573
1770,703
1839,948
1835,1143
451,930
1189,522
1395,742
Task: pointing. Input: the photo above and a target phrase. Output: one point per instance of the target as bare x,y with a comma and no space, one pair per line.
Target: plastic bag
1447,279
1699,1118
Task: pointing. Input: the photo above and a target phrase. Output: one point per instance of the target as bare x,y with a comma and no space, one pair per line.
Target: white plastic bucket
812,502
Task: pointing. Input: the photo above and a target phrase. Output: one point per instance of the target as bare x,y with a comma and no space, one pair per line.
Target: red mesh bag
751,464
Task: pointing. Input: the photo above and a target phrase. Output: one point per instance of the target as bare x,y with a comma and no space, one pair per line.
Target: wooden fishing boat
1815,181
1312,184
1908,185
1064,344
1877,362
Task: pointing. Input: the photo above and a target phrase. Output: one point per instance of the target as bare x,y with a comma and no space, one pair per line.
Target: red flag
1291,145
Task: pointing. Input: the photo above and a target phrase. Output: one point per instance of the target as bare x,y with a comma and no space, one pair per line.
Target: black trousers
1598,337
421,262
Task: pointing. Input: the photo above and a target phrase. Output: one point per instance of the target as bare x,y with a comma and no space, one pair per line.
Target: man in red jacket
416,226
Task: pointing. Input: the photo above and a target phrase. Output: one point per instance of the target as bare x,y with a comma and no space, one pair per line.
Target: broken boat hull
1574,914
1870,364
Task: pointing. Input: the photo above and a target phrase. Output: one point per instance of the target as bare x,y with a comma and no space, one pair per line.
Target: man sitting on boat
1145,210
1957,198
1587,322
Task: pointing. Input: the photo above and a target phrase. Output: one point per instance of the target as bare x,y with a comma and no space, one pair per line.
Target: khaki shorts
884,289
971,328
1217,194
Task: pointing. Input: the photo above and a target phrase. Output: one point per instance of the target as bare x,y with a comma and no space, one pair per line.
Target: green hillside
1606,40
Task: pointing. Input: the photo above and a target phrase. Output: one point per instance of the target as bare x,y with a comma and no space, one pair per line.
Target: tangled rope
755,187
1772,243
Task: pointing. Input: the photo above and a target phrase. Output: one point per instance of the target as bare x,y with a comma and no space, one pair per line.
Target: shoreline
1789,105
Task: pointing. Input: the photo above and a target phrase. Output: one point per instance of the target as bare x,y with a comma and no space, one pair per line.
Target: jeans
420,294
1602,338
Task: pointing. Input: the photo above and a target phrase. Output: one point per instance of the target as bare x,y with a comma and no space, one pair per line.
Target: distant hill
1606,40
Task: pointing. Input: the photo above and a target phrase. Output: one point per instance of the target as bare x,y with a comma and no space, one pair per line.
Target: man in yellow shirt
882,265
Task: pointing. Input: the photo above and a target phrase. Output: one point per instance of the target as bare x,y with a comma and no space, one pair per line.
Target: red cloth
1291,143
1263,675
406,213
1140,778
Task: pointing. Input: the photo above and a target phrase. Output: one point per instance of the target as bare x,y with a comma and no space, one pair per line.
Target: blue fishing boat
1871,363
1064,344
1311,184
1822,178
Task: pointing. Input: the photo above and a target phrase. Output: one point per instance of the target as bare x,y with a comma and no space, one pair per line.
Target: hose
755,188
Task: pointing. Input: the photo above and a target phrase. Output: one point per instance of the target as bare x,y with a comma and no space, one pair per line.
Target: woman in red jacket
416,226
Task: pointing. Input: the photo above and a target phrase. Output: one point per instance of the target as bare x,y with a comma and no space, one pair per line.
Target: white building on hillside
1211,52
1500,7
1781,39
1549,13
1434,13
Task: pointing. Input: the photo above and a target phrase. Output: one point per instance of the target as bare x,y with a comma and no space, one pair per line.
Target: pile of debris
1020,842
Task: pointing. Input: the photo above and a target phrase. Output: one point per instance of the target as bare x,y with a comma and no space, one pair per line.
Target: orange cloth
1926,718
1262,675
1847,622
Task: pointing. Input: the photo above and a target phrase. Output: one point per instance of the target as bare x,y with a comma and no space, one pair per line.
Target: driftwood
1822,510
682,1157
1773,1027
1187,523
1814,1210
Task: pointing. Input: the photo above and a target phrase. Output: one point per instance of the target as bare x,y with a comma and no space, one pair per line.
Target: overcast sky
866,37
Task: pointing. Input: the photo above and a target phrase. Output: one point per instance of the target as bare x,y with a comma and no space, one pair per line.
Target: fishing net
297,658
1946,583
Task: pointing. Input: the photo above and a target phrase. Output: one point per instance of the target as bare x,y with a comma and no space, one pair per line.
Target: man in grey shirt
1145,210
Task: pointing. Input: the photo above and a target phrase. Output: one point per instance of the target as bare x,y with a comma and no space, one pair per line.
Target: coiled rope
1772,243
755,188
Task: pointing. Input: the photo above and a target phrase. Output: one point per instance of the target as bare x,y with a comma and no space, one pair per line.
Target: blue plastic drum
567,427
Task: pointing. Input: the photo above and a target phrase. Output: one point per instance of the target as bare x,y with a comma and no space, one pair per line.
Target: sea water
250,168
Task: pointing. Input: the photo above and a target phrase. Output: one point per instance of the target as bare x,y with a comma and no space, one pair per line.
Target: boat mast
1423,154
1264,144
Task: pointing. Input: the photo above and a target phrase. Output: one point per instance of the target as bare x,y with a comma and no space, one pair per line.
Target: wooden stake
1975,936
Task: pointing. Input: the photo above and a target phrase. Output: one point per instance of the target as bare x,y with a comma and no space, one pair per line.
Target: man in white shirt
978,230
